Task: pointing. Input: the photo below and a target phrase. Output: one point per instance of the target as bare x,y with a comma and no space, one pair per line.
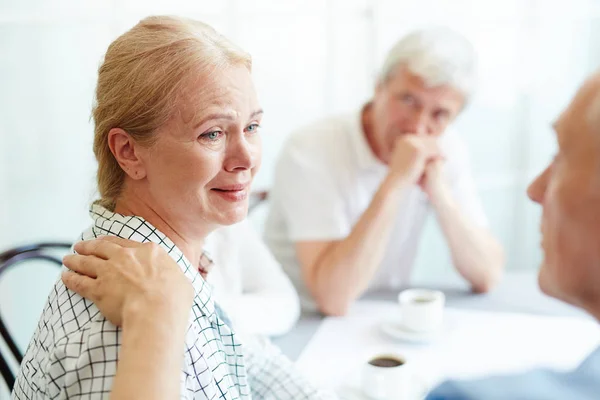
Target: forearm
476,254
151,356
344,270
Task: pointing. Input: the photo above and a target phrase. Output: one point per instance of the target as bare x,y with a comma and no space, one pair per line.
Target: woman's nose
241,154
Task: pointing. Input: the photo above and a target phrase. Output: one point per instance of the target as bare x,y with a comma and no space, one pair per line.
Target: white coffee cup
386,376
422,309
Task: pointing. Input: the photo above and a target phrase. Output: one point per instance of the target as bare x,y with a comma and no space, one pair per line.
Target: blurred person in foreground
569,192
351,194
176,138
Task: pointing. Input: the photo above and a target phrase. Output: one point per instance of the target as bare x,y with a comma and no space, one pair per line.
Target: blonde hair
142,75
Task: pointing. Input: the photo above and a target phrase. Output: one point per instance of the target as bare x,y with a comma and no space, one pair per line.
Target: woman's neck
190,244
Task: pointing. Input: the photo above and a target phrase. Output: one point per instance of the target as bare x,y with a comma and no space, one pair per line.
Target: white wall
312,58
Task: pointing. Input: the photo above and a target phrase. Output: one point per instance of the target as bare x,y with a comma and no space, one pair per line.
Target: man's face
569,192
404,104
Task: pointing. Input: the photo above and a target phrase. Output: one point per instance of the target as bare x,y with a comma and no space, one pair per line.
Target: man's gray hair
439,56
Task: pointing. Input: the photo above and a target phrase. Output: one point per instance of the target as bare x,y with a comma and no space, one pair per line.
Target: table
518,292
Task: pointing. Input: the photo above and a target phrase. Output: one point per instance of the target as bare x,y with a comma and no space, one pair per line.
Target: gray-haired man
569,192
351,193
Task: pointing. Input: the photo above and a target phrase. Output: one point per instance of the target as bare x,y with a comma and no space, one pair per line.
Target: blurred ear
126,152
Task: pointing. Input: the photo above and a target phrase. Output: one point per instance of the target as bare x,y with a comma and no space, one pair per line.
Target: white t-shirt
326,177
249,284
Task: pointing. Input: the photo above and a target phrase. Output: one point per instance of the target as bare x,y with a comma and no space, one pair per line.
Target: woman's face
199,171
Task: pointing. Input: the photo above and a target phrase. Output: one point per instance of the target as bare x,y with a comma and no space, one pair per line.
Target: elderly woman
177,143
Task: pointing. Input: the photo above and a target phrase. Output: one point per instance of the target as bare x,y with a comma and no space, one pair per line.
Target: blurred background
311,58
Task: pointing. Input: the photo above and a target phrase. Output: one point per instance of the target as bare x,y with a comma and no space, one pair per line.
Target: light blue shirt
580,384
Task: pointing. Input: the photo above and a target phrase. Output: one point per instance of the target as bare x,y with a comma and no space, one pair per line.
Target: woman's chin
233,216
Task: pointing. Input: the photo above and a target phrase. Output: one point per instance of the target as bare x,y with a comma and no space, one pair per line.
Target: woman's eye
252,128
214,135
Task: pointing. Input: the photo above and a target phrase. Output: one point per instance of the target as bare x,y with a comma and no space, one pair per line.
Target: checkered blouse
74,351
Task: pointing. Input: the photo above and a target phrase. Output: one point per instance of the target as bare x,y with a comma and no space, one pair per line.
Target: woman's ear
126,152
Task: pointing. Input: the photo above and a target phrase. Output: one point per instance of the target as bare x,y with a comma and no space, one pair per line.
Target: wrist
440,196
144,311
393,185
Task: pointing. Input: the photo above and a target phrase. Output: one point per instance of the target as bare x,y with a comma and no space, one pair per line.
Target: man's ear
126,152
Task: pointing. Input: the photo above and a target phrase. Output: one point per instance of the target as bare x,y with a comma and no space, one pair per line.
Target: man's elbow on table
494,272
483,287
331,306
326,290
328,299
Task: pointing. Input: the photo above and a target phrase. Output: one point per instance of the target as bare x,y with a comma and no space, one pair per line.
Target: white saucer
394,329
352,391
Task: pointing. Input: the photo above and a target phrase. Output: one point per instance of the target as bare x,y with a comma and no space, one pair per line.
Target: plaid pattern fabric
74,351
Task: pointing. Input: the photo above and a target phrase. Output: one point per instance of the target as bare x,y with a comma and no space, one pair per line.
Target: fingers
80,284
431,150
431,147
435,163
102,248
84,265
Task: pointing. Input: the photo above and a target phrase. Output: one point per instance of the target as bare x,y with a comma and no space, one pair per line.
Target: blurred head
423,85
569,192
176,122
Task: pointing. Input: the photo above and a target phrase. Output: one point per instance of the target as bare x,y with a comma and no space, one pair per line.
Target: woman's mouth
233,193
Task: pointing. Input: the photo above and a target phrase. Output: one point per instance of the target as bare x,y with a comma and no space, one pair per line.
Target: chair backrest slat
10,259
